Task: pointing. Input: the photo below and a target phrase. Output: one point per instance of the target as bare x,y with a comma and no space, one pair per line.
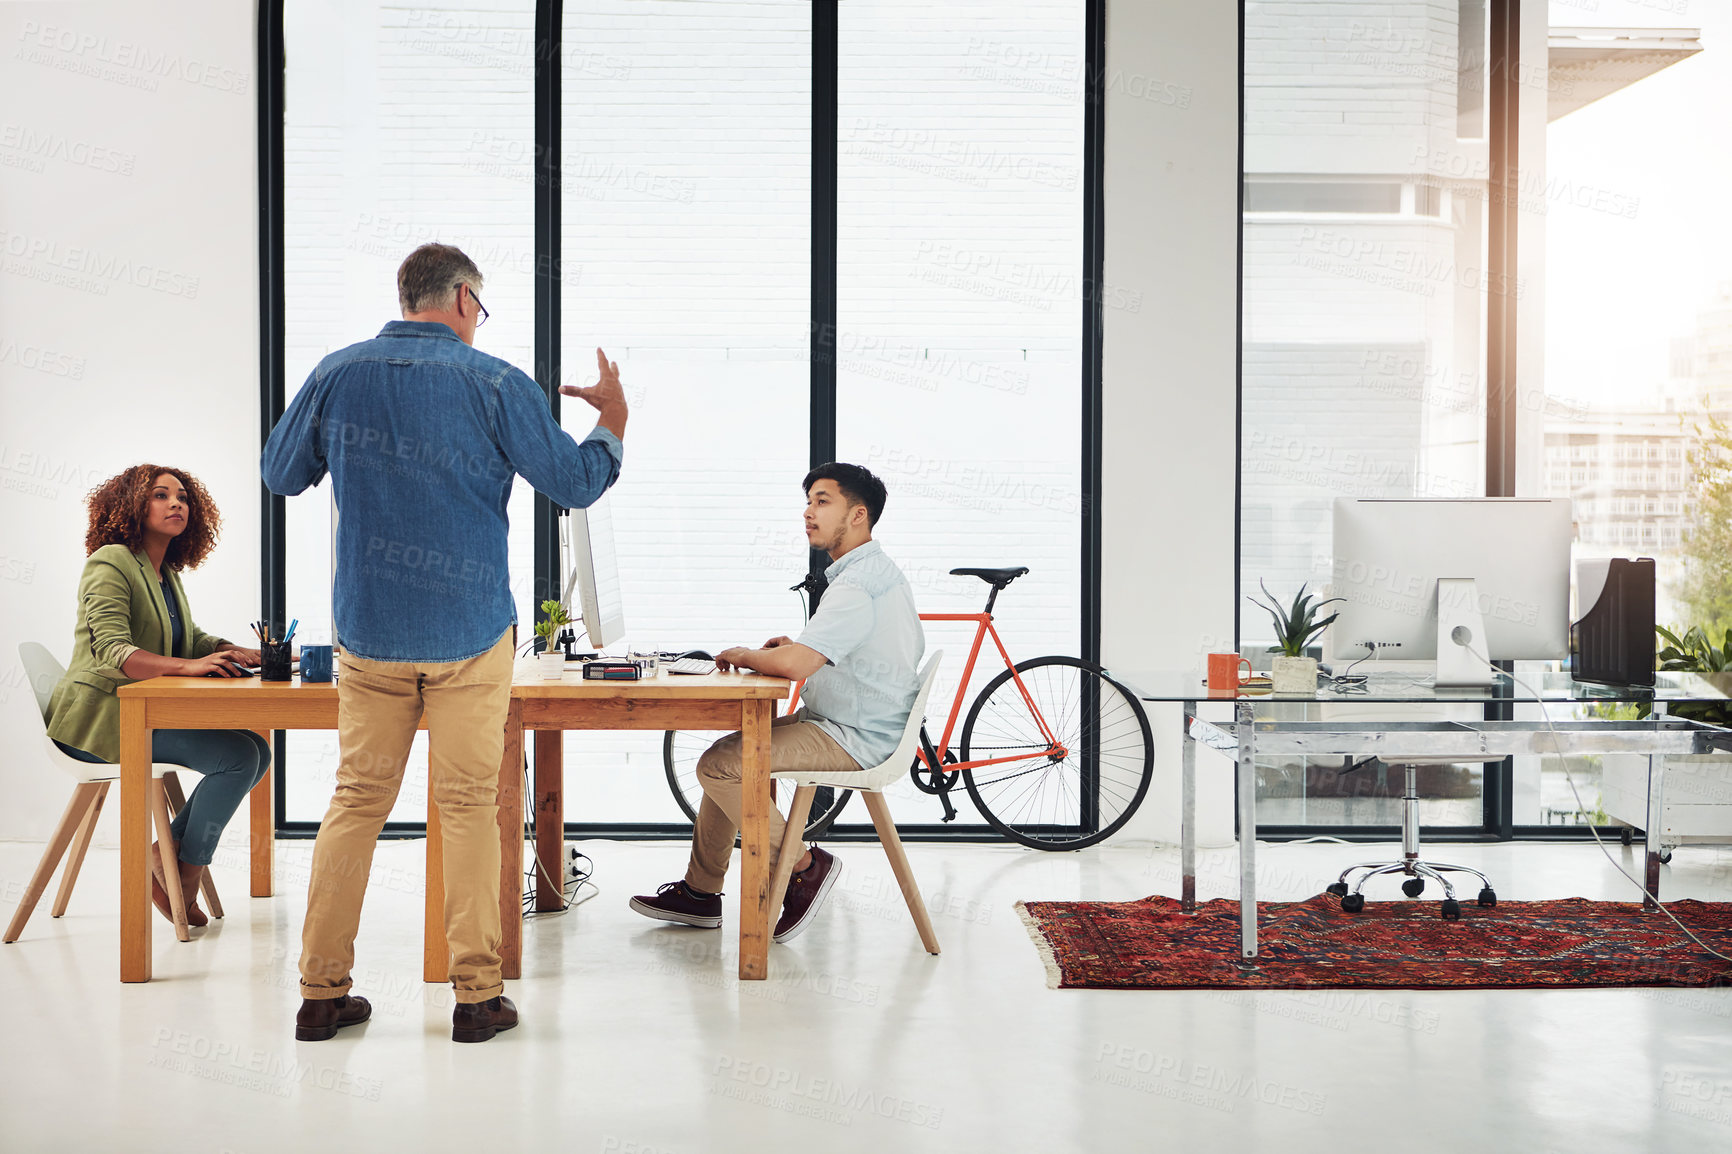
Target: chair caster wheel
1339,889
1627,836
1665,857
1487,897
1451,910
1413,887
1353,903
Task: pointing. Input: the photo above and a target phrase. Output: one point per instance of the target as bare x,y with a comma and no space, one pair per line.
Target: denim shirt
422,435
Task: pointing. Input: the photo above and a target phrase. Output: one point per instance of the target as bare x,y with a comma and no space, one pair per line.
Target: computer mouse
695,655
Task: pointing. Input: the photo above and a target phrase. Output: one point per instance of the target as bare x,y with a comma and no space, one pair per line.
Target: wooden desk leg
263,805
755,840
435,954
511,846
550,819
135,912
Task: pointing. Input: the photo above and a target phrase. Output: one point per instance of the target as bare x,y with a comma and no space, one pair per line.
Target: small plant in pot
1295,628
1692,651
552,657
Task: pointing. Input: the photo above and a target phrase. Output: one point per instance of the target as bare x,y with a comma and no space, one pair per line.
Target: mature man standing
422,434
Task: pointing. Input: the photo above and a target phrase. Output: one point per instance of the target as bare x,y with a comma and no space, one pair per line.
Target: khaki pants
379,704
795,743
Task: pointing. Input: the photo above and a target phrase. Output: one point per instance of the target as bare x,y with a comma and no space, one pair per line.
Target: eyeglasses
481,308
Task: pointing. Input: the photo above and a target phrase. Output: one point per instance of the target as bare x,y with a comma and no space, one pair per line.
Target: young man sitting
860,658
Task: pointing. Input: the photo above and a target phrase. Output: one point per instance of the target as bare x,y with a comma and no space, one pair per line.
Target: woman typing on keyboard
146,525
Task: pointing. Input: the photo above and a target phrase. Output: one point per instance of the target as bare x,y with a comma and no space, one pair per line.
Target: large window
686,255
1365,291
958,348
1638,319
401,126
686,194
1373,172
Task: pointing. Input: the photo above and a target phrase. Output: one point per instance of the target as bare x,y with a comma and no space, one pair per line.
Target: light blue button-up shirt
869,632
422,435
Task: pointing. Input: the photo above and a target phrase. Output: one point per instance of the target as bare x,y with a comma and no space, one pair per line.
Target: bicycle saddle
997,578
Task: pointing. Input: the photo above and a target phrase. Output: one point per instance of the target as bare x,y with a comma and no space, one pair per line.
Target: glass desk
1246,735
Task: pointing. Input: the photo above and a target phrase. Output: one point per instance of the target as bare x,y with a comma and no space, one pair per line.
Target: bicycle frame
982,630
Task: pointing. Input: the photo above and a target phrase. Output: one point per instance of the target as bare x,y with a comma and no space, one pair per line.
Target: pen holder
275,661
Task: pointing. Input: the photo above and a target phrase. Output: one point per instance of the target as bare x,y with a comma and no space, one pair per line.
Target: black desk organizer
1613,643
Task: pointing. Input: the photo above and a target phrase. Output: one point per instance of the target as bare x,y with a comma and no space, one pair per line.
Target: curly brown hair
117,509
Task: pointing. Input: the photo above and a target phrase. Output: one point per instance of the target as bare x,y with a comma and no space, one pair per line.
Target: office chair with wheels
1411,866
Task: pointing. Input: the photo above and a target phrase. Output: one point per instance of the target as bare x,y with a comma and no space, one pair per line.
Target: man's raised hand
606,396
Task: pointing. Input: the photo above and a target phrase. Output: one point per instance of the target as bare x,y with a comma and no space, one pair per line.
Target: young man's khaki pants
795,743
379,704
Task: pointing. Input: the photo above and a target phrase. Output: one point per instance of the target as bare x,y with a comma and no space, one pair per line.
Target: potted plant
1295,628
1697,785
1692,652
551,659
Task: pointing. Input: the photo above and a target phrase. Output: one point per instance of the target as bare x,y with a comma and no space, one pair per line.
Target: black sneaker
806,893
678,902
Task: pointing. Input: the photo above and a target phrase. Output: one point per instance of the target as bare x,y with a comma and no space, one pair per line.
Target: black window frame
549,25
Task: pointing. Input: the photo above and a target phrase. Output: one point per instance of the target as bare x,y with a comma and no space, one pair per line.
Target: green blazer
120,611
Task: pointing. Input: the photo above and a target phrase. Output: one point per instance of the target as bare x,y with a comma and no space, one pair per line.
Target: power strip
569,870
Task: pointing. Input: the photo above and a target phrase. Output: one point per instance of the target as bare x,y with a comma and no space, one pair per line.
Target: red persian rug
1568,943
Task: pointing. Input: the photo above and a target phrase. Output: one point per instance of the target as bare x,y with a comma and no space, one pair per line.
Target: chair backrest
43,672
888,771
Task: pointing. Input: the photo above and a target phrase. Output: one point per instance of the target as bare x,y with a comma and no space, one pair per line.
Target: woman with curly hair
146,525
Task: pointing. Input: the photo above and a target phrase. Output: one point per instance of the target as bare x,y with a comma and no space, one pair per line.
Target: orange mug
1224,672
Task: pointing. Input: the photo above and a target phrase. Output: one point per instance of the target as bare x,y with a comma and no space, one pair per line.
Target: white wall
1172,236
128,314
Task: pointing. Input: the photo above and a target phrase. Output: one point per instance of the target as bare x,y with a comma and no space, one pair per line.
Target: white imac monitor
591,570
1446,580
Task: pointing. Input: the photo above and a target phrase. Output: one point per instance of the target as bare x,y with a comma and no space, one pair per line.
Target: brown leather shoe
188,892
317,1021
479,1021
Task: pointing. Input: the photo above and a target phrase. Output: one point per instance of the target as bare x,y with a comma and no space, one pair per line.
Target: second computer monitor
592,573
1390,555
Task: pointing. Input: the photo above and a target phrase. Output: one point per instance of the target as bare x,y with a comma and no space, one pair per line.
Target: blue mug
315,663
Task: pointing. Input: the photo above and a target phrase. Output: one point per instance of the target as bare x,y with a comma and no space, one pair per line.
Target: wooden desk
719,701
725,701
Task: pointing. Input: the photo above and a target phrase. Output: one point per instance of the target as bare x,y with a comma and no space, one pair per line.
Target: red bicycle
1054,753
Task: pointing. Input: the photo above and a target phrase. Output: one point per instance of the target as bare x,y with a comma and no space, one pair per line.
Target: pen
291,632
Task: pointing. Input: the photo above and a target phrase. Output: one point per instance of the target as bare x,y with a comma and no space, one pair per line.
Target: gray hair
427,279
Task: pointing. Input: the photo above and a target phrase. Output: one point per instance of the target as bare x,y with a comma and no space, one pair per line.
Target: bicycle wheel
681,749
1058,802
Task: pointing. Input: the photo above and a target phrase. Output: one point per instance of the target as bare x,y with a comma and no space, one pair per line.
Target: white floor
637,1038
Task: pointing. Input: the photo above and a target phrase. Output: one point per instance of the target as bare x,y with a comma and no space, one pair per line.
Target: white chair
79,820
870,784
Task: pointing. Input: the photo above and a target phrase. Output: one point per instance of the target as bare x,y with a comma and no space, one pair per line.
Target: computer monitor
1446,579
591,570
